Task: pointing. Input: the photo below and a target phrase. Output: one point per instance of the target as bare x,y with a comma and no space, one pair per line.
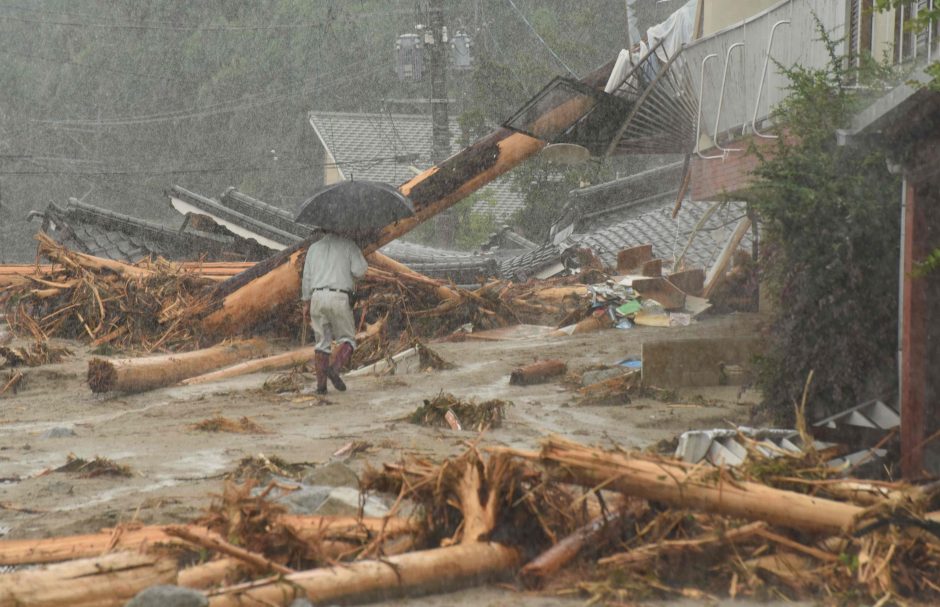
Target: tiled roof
598,206
530,263
669,236
214,208
102,233
263,212
385,147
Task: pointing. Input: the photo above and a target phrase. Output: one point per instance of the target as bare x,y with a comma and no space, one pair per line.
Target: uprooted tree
831,220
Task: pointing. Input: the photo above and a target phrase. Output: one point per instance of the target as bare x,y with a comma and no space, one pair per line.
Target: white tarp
674,32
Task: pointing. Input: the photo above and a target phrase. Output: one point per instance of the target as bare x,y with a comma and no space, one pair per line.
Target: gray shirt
333,262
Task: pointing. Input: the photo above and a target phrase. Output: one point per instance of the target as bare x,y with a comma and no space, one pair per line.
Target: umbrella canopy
355,207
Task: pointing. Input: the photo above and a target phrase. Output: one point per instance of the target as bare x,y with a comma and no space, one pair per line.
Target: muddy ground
176,469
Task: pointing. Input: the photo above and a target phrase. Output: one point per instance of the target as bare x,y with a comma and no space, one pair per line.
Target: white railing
739,90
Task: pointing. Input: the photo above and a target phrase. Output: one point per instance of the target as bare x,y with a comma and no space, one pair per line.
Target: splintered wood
610,525
146,306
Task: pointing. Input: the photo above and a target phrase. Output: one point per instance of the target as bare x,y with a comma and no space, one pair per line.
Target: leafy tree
831,220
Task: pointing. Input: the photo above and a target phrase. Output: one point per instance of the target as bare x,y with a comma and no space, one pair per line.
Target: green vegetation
830,217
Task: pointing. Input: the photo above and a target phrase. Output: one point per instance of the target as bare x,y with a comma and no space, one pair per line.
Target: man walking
331,268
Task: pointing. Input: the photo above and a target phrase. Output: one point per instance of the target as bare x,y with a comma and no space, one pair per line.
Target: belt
334,290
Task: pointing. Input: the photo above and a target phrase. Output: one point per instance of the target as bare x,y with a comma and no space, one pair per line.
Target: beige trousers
331,319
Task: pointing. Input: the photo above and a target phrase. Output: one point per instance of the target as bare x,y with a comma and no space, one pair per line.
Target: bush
831,226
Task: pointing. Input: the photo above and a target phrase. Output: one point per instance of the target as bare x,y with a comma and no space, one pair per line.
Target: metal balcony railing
735,69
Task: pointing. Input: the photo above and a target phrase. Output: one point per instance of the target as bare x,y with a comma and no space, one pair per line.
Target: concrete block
683,363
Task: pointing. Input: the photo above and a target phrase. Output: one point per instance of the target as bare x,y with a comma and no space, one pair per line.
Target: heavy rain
492,302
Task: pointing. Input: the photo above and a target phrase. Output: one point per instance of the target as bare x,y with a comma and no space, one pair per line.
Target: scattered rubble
100,466
448,411
221,423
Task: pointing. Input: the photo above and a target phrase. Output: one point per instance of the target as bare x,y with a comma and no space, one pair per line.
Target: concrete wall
683,363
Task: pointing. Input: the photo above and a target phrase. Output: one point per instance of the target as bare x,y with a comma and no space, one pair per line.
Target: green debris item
631,307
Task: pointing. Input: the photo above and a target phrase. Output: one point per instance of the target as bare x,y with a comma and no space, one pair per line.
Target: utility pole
438,59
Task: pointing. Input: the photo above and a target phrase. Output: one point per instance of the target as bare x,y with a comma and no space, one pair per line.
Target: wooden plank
662,291
718,270
633,258
652,268
691,282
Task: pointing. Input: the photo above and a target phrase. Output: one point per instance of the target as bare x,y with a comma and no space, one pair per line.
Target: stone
306,500
301,603
333,474
344,501
168,596
58,432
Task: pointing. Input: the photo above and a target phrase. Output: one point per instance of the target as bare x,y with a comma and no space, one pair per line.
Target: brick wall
717,177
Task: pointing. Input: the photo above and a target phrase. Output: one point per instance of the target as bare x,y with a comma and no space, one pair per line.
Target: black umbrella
355,207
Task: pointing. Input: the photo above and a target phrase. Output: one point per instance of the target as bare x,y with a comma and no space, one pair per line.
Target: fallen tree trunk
383,262
55,549
66,548
259,365
440,569
107,581
141,374
213,573
537,372
438,188
674,484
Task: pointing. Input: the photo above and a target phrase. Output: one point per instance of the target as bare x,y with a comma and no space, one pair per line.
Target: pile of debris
606,524
145,306
156,305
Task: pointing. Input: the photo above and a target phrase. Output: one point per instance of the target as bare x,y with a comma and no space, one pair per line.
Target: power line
367,162
213,109
542,40
61,61
193,28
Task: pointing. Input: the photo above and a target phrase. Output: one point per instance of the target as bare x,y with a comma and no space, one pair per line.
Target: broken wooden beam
436,570
537,372
147,373
718,270
604,529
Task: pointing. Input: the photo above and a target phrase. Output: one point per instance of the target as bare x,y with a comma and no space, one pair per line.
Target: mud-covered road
176,469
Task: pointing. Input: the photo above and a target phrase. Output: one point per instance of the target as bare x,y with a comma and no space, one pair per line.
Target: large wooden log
107,581
141,374
258,365
65,548
424,571
211,574
674,484
277,282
